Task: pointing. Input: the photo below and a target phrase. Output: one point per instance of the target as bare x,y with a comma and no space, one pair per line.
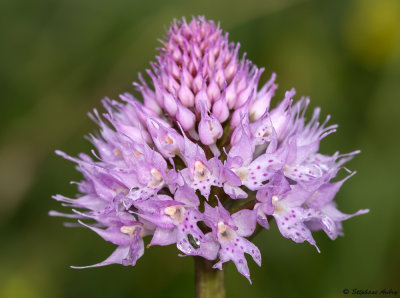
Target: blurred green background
59,58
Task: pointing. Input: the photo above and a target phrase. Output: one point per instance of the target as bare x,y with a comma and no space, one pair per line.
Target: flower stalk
209,282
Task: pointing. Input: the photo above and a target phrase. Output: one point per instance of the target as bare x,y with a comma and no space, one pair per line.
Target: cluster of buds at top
204,160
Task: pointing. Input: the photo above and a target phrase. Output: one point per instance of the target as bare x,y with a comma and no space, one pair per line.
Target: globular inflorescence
204,161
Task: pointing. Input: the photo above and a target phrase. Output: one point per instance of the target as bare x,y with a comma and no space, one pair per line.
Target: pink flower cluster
203,159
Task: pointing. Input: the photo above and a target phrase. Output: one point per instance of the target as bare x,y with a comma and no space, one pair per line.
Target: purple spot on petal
259,167
271,160
297,233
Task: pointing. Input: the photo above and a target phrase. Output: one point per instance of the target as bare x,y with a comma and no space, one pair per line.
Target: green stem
209,281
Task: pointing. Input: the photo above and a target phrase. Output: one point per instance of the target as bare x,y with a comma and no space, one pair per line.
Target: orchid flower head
203,158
